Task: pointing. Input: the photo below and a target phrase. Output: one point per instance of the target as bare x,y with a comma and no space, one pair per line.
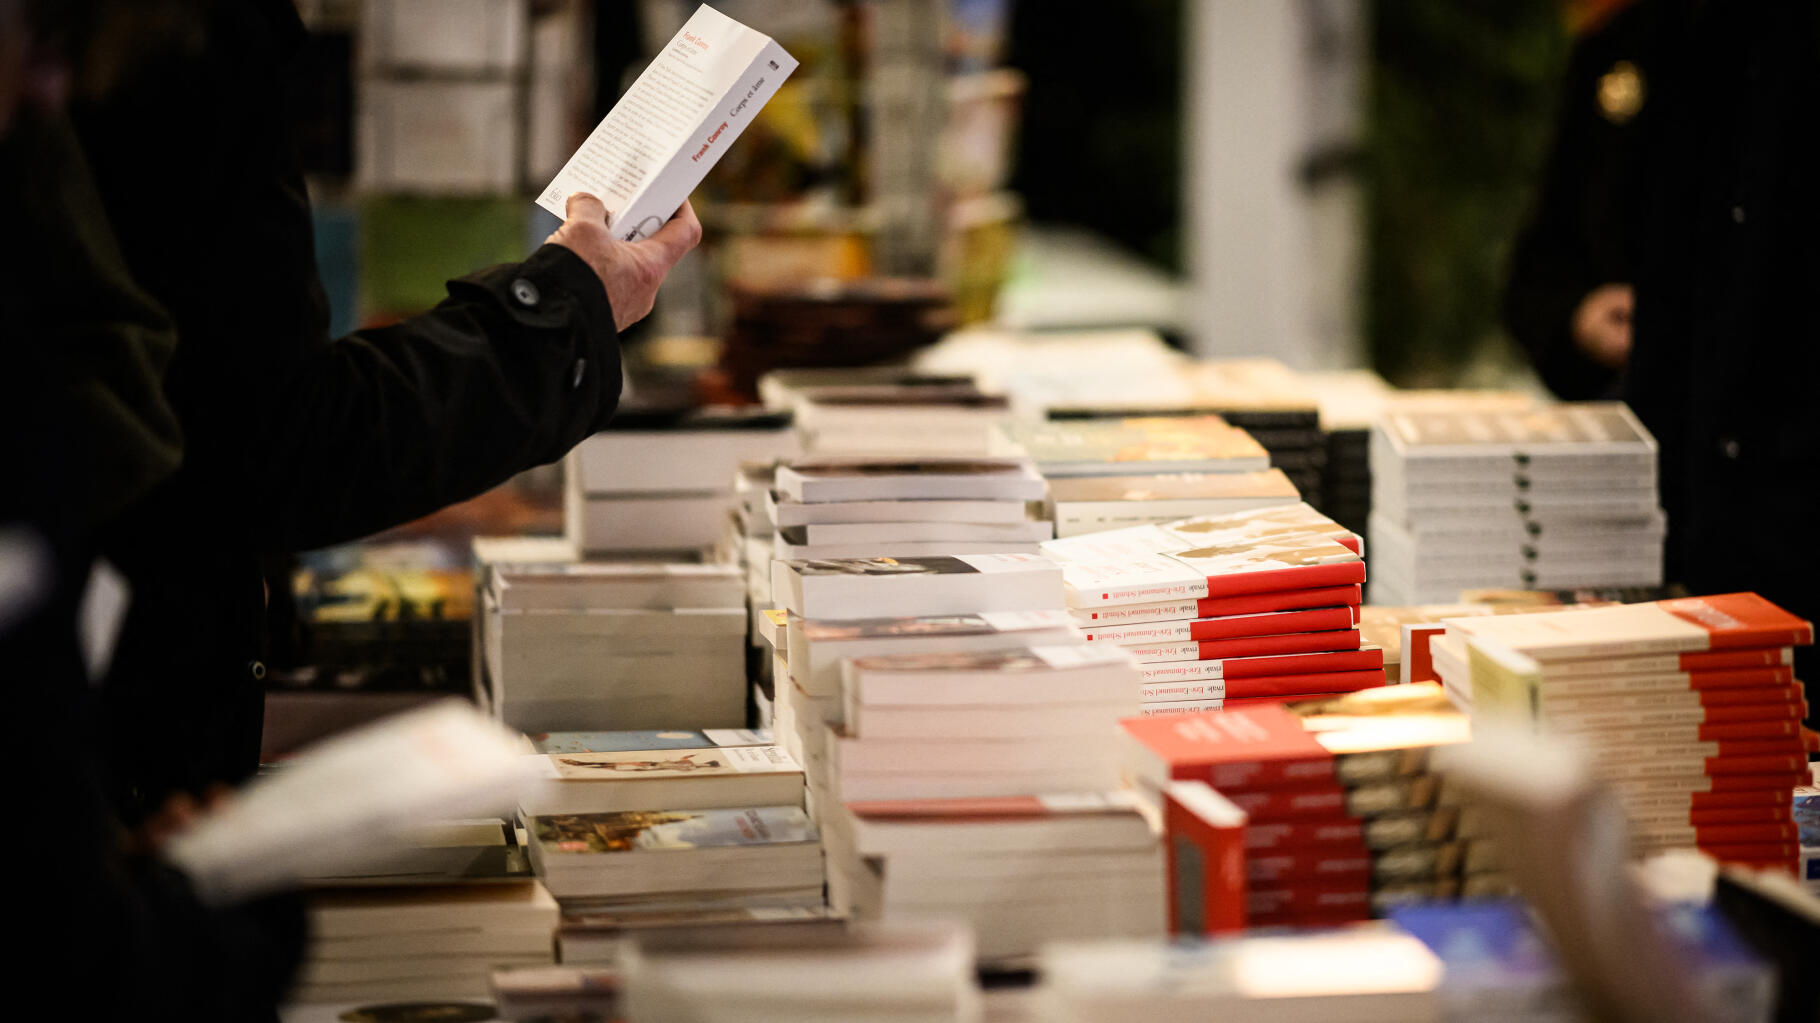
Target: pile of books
432,942
1260,604
1367,974
610,645
663,481
1555,497
639,829
1690,708
1344,816
862,507
960,757
920,973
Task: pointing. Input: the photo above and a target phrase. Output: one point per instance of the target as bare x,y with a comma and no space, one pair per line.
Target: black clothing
294,440
1587,224
1726,364
85,431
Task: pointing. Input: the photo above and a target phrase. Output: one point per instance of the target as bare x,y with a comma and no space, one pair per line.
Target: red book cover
1325,866
1346,641
1281,600
1741,657
1343,834
1418,652
1298,803
1223,607
1722,799
1365,659
1187,747
1277,623
1309,920
1206,853
1301,686
1741,620
1314,897
1339,573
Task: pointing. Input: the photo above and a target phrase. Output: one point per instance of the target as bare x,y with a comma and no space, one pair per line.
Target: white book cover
674,123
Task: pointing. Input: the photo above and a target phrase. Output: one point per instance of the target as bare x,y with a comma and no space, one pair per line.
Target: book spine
1282,600
1296,664
1137,614
1749,715
1313,684
1718,834
1682,766
1552,705
1343,834
1167,708
1317,866
1299,577
1692,660
1277,623
1683,816
1695,681
1176,692
1294,643
1150,632
1302,899
1683,784
1739,731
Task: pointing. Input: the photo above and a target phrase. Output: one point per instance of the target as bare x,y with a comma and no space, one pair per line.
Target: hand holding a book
630,271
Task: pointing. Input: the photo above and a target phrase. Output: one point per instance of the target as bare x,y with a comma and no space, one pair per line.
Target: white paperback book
674,123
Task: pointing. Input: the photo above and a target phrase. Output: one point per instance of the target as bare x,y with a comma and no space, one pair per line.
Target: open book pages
354,800
673,124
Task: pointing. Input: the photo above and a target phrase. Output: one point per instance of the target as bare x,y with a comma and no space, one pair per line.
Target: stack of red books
1690,707
1344,816
1218,610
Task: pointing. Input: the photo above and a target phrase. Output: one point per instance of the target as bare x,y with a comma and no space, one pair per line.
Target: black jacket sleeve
515,367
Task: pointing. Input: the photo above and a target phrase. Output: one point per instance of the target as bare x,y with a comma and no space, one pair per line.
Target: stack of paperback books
965,746
1368,974
606,772
1092,504
1690,708
1256,605
1556,497
1136,446
921,973
1345,817
686,860
612,645
664,482
412,944
859,507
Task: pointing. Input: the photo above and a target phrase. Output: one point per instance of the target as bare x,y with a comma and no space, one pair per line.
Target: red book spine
1291,643
1299,577
1244,776
1309,920
1300,686
1282,600
1298,664
1339,897
1318,619
1756,712
1327,800
1298,867
1344,834
1744,657
1206,857
1765,813
1740,678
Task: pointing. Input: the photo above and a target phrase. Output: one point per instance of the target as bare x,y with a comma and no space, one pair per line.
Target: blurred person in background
295,440
1705,202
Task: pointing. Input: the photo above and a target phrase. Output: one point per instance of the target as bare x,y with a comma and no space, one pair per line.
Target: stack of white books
432,942
965,741
824,973
666,484
612,645
1555,497
694,859
1255,605
1365,974
865,507
1689,708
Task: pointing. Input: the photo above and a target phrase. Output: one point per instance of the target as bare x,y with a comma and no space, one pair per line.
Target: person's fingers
680,234
582,206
